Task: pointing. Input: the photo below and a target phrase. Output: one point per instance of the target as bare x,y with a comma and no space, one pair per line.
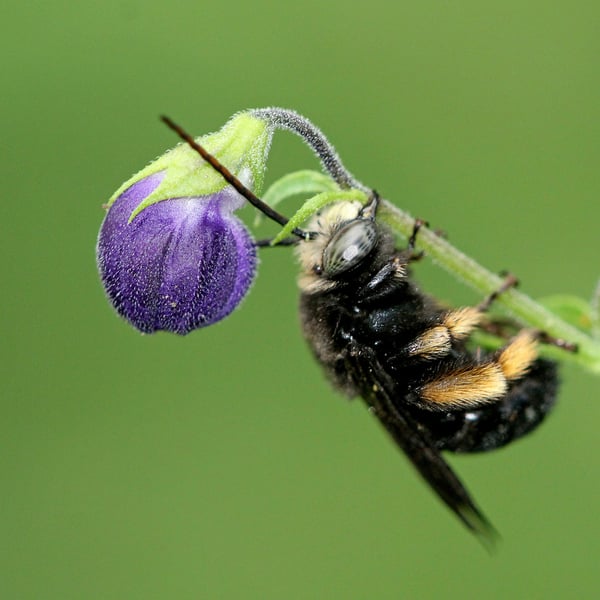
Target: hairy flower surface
179,264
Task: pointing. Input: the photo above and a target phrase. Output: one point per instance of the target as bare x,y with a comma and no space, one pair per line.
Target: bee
378,337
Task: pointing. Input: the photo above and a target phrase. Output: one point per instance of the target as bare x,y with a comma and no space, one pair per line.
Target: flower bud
171,253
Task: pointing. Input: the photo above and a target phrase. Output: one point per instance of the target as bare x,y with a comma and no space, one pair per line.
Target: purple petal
180,264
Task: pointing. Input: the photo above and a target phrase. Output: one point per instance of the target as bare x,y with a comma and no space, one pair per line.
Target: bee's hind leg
510,281
502,328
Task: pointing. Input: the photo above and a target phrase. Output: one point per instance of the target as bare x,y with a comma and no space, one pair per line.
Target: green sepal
312,205
299,182
241,145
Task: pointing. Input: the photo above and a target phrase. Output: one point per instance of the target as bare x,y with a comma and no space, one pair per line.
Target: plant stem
283,118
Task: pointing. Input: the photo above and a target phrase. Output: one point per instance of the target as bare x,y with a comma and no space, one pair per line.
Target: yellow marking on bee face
432,343
516,358
311,283
462,321
468,387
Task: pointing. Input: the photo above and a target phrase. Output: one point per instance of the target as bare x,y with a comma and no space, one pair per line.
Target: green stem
521,306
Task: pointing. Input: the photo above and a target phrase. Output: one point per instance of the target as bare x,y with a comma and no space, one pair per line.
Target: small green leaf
293,184
312,205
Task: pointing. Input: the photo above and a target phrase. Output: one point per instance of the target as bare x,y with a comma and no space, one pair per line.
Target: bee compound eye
349,246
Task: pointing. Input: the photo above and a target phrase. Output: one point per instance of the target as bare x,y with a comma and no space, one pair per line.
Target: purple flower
180,264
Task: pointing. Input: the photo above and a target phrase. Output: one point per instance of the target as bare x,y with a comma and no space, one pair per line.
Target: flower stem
283,118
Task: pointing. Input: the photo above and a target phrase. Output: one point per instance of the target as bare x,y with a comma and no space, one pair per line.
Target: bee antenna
230,178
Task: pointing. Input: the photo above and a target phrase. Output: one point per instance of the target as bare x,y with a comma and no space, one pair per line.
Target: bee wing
377,390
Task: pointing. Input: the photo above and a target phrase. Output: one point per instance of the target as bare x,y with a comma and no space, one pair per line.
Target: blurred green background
222,465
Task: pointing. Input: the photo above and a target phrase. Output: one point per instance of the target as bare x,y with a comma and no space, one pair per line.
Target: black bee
378,337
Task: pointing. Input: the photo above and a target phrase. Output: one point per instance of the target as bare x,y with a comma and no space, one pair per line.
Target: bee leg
499,328
525,405
456,325
369,210
414,255
413,236
510,281
393,268
505,329
546,338
476,384
437,341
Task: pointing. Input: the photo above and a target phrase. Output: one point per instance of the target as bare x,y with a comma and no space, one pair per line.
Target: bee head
346,235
